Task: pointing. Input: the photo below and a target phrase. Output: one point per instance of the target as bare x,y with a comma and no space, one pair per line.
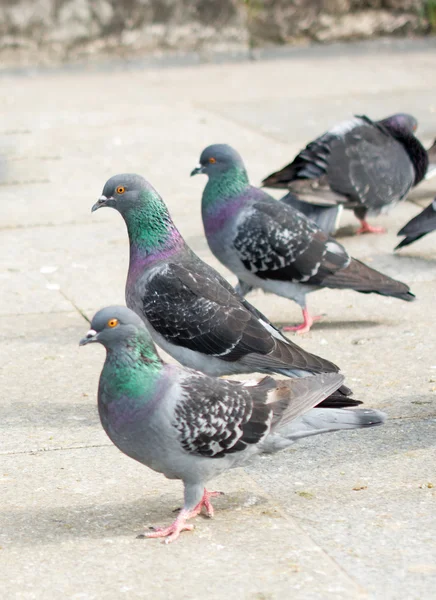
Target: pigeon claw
365,227
172,532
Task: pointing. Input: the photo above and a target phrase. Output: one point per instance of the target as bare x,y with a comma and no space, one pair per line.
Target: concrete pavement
340,516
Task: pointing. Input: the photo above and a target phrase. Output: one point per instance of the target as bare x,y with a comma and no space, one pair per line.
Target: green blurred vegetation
430,13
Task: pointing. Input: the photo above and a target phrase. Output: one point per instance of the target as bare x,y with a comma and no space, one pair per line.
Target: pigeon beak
103,201
198,169
89,338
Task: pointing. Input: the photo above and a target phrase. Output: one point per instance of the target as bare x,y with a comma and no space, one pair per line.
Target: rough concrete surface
340,516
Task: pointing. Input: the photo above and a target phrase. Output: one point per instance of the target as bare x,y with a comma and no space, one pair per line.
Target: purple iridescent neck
152,233
142,256
216,217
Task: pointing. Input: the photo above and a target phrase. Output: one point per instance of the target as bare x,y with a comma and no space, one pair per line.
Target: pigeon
365,165
192,427
270,245
419,226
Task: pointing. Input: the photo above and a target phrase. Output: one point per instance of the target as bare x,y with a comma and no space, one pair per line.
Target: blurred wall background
52,31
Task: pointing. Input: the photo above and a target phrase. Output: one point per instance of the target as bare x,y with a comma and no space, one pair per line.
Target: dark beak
103,201
90,338
198,169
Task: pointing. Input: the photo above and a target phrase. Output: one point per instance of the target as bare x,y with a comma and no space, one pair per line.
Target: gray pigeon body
192,427
364,165
272,246
191,311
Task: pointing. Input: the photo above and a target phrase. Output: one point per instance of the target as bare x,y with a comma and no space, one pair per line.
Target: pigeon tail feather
319,420
361,278
416,228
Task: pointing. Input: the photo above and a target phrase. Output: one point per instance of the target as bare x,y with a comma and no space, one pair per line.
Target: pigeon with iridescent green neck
191,311
192,427
270,245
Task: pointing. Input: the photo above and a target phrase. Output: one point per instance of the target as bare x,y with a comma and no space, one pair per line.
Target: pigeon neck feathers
223,196
152,233
131,369
224,185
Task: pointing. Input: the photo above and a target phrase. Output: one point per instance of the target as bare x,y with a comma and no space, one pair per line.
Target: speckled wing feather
216,417
314,161
310,163
204,313
325,216
279,243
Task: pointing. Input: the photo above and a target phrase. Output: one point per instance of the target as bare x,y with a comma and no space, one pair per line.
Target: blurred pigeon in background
364,165
419,226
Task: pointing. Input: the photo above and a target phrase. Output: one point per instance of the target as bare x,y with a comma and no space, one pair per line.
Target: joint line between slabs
359,588
55,449
77,308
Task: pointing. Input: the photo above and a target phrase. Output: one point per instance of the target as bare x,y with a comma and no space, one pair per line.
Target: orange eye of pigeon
212,160
121,189
112,322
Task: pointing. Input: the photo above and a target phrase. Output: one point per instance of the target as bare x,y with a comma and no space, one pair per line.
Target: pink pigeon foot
172,532
205,501
306,325
367,228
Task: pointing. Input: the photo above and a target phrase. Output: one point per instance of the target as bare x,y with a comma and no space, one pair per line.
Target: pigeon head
148,221
218,159
116,325
401,122
124,192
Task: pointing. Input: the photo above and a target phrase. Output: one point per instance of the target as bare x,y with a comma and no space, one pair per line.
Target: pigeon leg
365,227
306,325
172,532
205,501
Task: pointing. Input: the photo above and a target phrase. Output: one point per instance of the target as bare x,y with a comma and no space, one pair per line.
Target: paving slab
79,526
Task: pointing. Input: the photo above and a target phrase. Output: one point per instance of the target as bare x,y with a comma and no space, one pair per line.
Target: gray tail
361,278
341,398
325,420
416,228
